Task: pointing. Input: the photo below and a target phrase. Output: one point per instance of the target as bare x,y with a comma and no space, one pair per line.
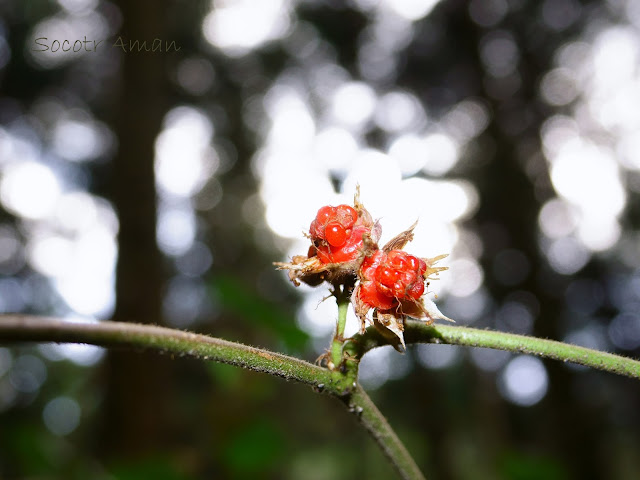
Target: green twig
342,299
25,328
418,332
376,424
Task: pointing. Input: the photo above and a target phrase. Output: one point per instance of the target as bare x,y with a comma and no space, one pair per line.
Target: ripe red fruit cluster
337,234
333,224
388,278
344,252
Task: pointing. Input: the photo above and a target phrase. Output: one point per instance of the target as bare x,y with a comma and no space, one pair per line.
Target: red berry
325,214
346,252
346,215
341,238
336,234
324,254
388,278
331,223
370,265
370,295
400,275
368,291
416,290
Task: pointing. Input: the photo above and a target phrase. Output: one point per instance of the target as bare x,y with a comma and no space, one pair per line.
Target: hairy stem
25,328
418,332
376,424
342,299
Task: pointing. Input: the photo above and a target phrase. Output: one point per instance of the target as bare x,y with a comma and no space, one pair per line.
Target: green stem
376,424
418,332
342,299
25,328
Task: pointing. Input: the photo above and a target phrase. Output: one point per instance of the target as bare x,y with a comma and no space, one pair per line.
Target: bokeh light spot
77,140
399,112
61,415
557,218
567,255
411,9
184,157
624,331
28,373
239,26
487,13
499,53
558,87
466,277
381,365
354,104
29,190
524,381
438,357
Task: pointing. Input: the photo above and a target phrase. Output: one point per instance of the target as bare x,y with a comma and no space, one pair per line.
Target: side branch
25,328
417,332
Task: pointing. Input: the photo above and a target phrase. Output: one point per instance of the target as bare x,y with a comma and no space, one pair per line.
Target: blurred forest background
157,183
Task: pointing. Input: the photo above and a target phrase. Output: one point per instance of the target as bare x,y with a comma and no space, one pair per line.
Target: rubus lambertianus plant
385,285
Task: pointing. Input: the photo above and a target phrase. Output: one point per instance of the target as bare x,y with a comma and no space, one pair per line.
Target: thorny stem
376,424
25,328
418,332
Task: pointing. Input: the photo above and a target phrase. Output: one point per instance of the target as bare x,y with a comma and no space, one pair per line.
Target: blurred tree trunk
136,420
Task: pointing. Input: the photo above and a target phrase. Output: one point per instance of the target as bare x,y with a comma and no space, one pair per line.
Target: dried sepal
392,328
306,269
365,218
391,323
399,241
430,309
360,307
423,309
431,270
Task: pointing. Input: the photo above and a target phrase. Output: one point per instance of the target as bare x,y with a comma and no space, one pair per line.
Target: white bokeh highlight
524,381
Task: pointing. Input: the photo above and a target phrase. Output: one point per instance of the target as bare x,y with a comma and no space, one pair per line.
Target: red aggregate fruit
368,291
401,276
388,278
344,252
333,224
347,251
337,233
